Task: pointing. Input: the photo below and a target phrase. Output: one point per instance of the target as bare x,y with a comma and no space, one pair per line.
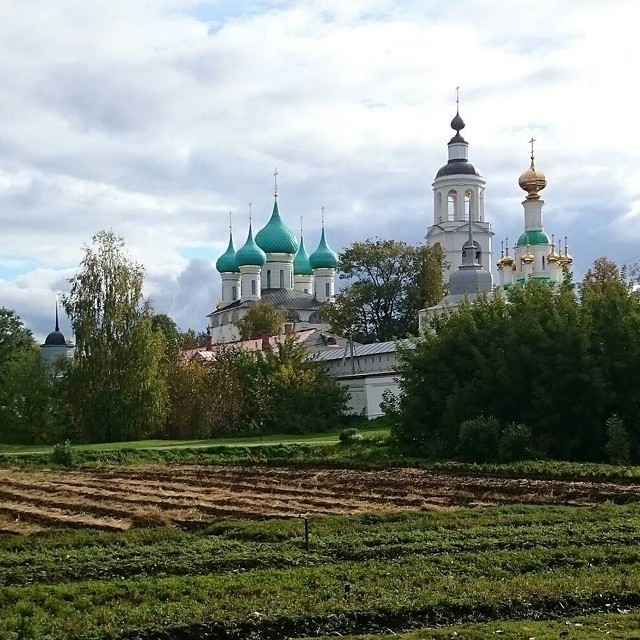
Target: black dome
456,167
457,123
55,338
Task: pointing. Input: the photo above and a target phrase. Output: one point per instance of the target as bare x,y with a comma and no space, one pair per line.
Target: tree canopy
388,283
261,318
559,363
15,338
117,382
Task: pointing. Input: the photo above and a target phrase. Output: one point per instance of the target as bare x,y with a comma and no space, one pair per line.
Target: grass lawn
330,437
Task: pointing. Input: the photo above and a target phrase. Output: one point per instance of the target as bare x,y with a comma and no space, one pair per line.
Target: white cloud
155,118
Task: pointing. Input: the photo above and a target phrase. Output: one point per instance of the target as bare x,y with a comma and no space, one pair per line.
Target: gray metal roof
361,350
287,298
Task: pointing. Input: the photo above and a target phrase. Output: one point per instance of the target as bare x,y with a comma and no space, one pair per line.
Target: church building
274,267
461,230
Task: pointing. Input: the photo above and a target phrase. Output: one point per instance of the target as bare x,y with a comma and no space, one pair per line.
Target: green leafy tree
15,338
388,283
301,397
261,318
117,384
190,410
526,360
31,406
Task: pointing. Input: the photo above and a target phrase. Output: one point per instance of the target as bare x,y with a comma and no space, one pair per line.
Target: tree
31,406
117,384
526,360
262,317
15,338
389,282
30,409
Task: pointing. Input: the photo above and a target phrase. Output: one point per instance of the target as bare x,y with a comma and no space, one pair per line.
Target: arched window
452,199
468,205
234,316
268,278
215,321
282,278
439,207
315,318
293,316
224,318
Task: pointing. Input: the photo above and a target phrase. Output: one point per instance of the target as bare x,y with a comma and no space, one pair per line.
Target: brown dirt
191,495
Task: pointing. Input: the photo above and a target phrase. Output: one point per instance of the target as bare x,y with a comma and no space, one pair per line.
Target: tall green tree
388,283
117,384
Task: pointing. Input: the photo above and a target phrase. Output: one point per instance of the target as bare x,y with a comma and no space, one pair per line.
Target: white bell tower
458,197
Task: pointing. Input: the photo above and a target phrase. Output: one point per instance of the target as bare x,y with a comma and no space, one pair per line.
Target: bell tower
458,199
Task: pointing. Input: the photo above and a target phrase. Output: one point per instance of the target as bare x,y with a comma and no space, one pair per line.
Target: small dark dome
457,123
55,339
456,167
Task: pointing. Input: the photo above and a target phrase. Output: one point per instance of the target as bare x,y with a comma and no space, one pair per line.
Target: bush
618,447
348,436
516,443
63,454
478,439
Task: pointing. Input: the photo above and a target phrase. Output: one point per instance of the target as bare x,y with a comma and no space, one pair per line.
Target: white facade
366,371
277,273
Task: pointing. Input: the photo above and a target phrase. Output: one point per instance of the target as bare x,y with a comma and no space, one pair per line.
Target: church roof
533,237
227,262
55,338
250,253
457,167
275,236
287,298
324,257
301,266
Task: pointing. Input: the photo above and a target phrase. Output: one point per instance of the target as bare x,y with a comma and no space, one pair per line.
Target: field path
118,498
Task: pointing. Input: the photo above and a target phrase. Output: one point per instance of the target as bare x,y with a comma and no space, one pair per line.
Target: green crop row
525,535
405,591
596,627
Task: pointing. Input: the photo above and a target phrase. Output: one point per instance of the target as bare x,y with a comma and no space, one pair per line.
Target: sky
155,118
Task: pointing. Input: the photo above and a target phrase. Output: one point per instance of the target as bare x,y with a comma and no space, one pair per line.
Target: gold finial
502,248
275,182
506,241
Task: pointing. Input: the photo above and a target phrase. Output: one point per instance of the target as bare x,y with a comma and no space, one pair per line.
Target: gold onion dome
553,257
528,257
532,181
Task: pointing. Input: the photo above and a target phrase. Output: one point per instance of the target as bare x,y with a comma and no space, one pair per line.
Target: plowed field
122,497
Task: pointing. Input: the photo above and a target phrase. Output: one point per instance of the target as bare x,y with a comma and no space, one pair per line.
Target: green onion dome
533,237
324,257
275,236
227,263
301,266
250,253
